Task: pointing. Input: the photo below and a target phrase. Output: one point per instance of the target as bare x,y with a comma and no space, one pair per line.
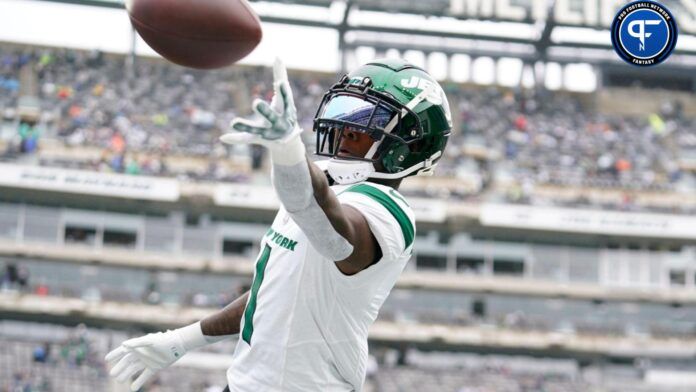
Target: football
204,34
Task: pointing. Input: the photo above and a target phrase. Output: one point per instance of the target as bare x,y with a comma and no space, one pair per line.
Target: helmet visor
357,111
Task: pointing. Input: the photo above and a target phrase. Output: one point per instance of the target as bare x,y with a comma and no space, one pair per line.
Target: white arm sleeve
293,184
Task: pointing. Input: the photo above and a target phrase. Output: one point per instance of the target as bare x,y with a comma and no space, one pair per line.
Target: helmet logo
435,97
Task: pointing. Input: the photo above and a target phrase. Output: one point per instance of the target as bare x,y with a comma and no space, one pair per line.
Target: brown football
203,34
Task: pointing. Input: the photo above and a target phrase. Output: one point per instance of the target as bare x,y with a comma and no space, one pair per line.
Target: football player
338,244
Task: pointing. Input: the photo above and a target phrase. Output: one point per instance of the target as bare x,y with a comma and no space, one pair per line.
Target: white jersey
305,324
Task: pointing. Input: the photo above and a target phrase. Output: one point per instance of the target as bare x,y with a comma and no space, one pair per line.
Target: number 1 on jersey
248,329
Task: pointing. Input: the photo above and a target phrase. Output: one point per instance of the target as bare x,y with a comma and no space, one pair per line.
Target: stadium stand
74,363
137,119
88,286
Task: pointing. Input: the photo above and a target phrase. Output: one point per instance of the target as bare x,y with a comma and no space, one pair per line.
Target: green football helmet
400,106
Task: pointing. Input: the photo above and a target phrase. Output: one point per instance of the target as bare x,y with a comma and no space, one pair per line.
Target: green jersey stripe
248,329
398,196
391,206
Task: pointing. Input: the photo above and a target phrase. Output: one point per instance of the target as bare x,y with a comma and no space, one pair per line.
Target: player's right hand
277,120
145,355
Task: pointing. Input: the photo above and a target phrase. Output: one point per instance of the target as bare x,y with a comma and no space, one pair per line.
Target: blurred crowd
140,113
14,277
390,369
73,352
553,138
136,115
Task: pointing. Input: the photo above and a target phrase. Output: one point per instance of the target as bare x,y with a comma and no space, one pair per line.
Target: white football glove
277,128
153,352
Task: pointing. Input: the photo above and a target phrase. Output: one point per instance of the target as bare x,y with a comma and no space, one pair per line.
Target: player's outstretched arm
338,232
146,355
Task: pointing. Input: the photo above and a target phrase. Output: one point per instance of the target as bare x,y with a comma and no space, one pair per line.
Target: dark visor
357,111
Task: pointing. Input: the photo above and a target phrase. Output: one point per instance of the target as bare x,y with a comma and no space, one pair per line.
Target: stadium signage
589,221
264,198
428,210
245,196
589,13
89,183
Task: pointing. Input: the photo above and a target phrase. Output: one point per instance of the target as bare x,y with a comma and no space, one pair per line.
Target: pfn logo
644,33
641,34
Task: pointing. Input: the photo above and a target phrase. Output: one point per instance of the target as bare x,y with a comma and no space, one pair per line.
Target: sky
64,25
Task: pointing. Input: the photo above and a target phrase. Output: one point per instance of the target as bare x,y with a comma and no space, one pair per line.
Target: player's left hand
277,124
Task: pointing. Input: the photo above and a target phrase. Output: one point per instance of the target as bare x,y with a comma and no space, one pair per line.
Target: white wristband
192,337
290,152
